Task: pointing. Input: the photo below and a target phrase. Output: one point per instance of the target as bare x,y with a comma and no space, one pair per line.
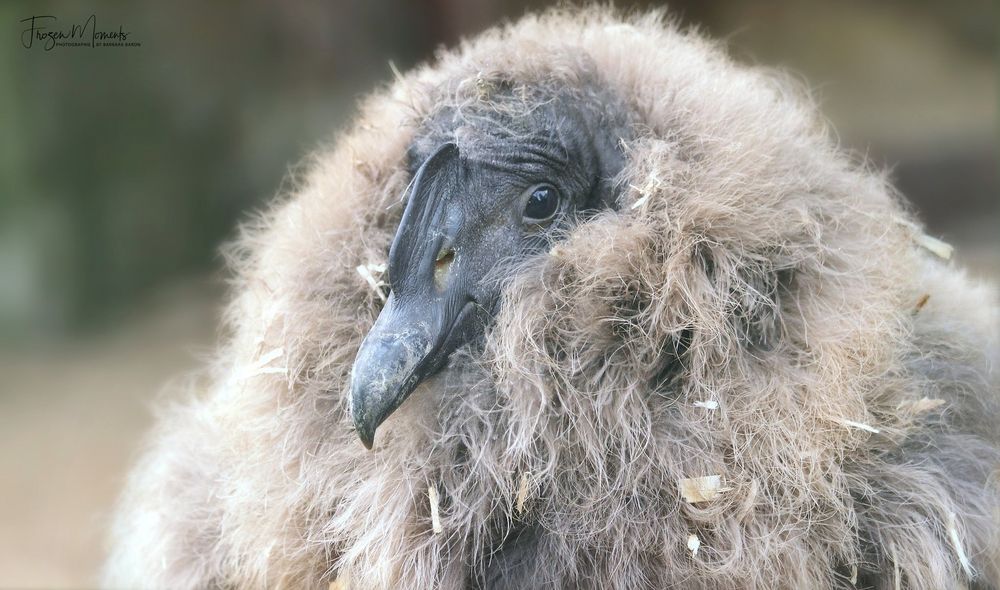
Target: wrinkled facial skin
473,210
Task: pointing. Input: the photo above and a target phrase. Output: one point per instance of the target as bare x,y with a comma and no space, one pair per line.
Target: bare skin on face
489,189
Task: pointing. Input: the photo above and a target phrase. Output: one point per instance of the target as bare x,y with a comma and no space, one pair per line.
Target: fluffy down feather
748,311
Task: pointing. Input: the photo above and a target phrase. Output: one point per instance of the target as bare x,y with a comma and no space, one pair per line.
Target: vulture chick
583,304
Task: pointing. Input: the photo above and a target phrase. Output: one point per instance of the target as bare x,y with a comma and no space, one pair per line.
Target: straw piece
854,575
921,303
693,544
701,489
432,495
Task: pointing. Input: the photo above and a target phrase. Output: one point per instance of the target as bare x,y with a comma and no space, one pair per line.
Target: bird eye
543,201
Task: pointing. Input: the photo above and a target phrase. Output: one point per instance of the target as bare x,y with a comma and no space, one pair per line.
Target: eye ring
541,203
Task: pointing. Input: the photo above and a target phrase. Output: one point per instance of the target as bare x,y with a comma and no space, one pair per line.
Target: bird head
490,188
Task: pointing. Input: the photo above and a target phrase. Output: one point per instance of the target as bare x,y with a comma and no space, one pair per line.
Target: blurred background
123,170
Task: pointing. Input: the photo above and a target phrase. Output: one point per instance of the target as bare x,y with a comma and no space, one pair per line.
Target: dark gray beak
406,345
430,311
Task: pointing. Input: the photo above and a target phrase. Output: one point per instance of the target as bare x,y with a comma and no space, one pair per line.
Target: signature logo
45,31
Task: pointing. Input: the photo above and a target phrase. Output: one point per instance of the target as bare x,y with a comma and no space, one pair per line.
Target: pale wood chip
710,404
395,72
267,371
693,544
858,425
260,367
942,250
640,202
522,493
701,489
925,404
933,245
921,303
366,271
432,495
270,356
956,540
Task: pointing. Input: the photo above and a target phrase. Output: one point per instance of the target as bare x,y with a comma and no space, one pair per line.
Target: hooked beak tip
366,435
367,438
363,425
399,352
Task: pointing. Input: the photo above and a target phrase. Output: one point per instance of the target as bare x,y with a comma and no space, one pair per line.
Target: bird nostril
441,266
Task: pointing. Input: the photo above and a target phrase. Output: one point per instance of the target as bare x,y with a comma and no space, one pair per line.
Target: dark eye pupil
542,203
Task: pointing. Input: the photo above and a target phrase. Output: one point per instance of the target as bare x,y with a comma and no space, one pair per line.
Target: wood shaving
933,245
710,404
268,371
701,489
921,303
854,575
270,356
693,544
522,493
858,425
395,72
367,271
338,584
925,404
963,558
260,367
942,250
432,495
